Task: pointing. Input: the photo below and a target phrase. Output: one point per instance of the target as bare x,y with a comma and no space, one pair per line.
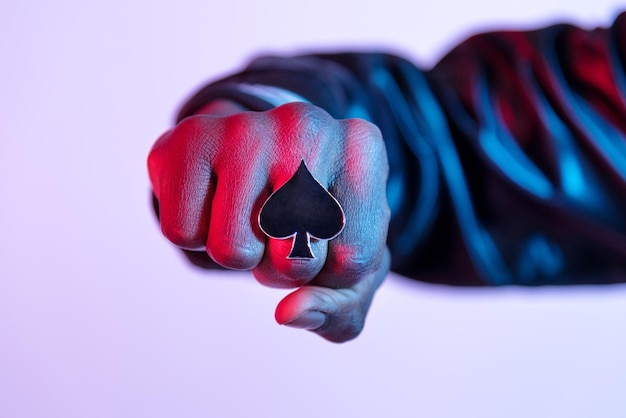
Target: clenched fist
211,175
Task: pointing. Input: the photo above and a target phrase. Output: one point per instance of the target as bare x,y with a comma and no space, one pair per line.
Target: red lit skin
212,172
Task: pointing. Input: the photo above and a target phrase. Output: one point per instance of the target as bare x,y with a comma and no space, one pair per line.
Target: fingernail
308,320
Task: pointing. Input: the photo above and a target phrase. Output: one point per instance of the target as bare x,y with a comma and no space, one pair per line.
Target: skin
212,172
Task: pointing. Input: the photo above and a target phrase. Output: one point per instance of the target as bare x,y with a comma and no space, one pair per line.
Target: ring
301,209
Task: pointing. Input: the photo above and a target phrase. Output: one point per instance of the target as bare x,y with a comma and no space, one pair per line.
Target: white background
101,317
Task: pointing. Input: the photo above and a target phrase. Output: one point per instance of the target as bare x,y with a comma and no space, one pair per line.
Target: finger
301,135
361,190
235,239
277,270
335,314
181,178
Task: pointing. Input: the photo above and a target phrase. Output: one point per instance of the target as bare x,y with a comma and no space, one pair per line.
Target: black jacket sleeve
508,158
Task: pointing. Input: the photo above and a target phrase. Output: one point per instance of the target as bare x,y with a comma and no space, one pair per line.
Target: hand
212,174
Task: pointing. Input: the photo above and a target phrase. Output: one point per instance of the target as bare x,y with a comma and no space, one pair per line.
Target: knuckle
276,280
357,128
354,262
242,126
190,125
302,121
186,131
299,111
284,273
364,139
186,238
195,138
364,136
234,256
185,146
298,273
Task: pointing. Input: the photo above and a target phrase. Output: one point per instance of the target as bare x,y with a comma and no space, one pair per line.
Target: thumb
337,315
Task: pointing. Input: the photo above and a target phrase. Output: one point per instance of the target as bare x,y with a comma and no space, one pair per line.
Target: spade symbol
302,208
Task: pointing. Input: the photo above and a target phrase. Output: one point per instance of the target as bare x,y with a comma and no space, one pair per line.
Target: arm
507,160
529,123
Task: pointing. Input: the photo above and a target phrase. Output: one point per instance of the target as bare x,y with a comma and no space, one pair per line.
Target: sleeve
508,158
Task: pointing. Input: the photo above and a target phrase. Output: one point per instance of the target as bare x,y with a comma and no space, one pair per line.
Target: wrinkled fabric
508,158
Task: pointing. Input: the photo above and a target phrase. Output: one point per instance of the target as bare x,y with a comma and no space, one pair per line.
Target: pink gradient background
101,317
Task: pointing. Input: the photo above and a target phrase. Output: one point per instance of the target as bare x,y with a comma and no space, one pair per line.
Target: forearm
500,157
538,124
